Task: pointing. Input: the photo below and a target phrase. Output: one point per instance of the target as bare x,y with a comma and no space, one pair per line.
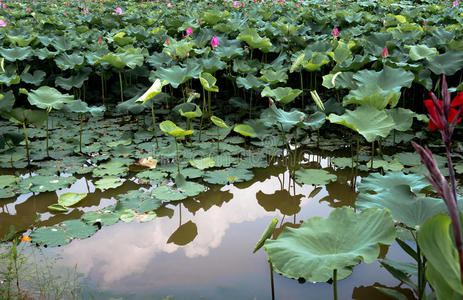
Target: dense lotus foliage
177,98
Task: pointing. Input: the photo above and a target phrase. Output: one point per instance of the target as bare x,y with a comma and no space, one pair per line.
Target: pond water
201,248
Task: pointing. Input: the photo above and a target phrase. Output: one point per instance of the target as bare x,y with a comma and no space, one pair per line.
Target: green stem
48,154
335,284
302,87
120,83
218,140
358,152
27,145
271,281
153,117
178,157
372,154
250,105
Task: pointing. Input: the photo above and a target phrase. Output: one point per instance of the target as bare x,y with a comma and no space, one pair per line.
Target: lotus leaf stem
153,117
80,133
302,87
335,284
218,140
27,144
372,154
178,157
271,281
48,154
120,83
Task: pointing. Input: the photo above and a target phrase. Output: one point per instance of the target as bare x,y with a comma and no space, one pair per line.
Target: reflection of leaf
375,292
185,234
339,242
281,200
342,192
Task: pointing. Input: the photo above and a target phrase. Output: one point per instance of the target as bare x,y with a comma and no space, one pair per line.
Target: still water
201,248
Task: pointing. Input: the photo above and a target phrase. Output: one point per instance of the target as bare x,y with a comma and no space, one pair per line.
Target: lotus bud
335,32
385,53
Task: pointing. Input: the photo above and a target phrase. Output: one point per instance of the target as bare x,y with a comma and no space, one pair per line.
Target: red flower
435,121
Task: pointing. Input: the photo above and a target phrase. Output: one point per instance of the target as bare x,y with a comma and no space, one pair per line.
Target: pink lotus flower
384,53
2,23
189,31
169,5
215,42
28,9
86,11
236,4
425,22
455,3
4,5
100,40
118,11
335,32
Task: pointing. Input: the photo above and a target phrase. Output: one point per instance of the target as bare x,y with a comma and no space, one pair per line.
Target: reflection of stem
178,159
27,144
180,214
335,284
271,281
153,117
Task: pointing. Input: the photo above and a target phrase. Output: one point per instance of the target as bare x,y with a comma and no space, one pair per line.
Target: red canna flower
435,119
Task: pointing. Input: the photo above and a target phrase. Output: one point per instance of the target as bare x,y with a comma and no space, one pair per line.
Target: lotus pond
231,150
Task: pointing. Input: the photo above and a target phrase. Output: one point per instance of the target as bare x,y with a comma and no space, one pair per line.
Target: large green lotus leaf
208,82
158,59
249,82
403,118
443,269
203,163
378,183
78,229
189,110
103,217
338,242
81,107
448,63
154,90
40,184
121,60
245,130
253,39
419,52
16,53
128,215
9,78
229,52
367,121
272,77
49,236
339,80
73,81
22,115
190,188
70,199
108,183
35,78
219,122
171,129
314,176
177,75
66,61
288,120
8,181
179,49
230,175
212,64
378,89
19,38
152,175
62,43
281,94
267,234
168,193
405,206
46,97
316,62
57,207
44,53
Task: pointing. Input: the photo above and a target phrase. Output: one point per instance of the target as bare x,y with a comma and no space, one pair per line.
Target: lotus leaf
249,82
252,38
267,234
226,176
405,206
49,236
366,120
297,62
58,207
448,63
245,130
16,53
149,216
314,176
442,270
46,97
66,61
287,120
378,183
320,246
40,184
35,78
189,110
168,193
108,183
219,122
78,229
284,95
272,77
70,199
422,52
171,129
154,90
8,181
104,217
208,82
112,168
177,75
137,200
316,62
151,175
73,81
121,60
22,115
128,215
202,164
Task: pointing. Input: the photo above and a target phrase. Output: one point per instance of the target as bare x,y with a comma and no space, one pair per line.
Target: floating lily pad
202,164
70,199
103,217
108,183
314,176
227,176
